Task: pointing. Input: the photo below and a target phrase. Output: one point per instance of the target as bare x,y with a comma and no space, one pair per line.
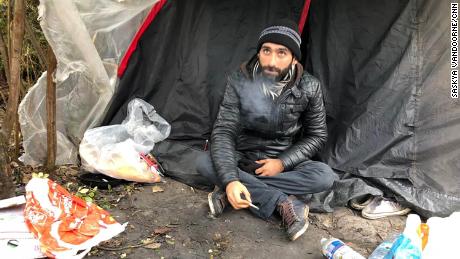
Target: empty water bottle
383,248
334,248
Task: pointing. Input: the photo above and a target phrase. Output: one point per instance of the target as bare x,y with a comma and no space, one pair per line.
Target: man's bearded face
275,60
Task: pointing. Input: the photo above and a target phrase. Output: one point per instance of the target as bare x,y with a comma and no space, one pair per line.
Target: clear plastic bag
116,150
409,244
89,39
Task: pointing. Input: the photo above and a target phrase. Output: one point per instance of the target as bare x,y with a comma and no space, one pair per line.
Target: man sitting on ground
270,123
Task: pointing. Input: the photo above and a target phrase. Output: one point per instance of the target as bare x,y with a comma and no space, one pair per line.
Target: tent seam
417,73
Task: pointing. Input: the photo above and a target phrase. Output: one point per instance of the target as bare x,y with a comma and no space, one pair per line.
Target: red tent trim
153,13
132,47
303,17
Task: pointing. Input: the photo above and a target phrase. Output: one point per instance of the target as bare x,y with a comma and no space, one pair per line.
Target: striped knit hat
284,32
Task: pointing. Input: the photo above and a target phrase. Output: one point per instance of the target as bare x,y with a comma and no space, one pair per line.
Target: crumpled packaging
65,225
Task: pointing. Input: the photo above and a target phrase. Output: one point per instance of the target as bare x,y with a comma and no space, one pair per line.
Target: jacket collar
246,69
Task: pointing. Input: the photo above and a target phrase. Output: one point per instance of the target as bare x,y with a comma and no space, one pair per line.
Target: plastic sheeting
88,39
383,65
197,43
393,126
384,70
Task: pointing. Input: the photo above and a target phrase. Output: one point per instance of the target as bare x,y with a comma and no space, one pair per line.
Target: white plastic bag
115,150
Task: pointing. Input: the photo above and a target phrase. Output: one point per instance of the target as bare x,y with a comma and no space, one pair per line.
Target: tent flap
385,70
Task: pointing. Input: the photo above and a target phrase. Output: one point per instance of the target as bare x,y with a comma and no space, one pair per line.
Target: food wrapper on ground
65,225
115,150
16,241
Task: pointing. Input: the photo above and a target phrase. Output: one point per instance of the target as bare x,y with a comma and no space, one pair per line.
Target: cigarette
254,206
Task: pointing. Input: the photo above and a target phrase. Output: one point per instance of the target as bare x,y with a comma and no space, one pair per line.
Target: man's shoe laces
288,213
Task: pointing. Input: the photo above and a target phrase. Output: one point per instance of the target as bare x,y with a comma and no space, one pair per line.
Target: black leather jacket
249,124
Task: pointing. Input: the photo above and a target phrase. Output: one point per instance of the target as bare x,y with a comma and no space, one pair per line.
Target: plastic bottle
443,237
409,244
383,248
334,248
423,232
435,244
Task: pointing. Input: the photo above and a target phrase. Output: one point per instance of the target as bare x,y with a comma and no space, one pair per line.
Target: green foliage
30,63
40,175
86,193
3,15
89,194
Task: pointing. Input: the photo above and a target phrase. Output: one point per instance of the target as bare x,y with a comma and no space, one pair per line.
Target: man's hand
271,167
234,190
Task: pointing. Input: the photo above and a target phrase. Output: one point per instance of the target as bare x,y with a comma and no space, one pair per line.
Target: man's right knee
321,174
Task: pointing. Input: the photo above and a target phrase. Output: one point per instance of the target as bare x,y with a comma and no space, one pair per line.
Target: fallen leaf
162,230
217,237
157,188
170,240
26,178
123,255
83,191
153,246
146,241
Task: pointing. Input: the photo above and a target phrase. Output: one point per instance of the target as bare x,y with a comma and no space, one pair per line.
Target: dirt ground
170,220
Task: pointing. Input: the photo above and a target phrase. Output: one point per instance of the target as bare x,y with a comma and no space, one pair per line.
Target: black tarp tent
385,73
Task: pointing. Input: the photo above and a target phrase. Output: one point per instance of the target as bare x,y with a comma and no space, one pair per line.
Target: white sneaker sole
360,206
304,228
298,234
211,205
385,214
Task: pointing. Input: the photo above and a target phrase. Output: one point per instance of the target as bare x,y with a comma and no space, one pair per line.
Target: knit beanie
284,32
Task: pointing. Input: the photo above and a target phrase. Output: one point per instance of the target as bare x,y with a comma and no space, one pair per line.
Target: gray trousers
266,191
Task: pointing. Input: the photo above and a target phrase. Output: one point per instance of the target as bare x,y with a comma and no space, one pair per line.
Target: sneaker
217,201
381,207
361,202
294,214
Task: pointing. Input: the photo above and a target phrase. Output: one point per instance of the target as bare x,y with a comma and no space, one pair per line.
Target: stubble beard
275,78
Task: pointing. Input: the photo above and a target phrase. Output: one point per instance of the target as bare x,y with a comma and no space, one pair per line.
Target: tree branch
35,43
51,111
5,59
6,182
15,67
